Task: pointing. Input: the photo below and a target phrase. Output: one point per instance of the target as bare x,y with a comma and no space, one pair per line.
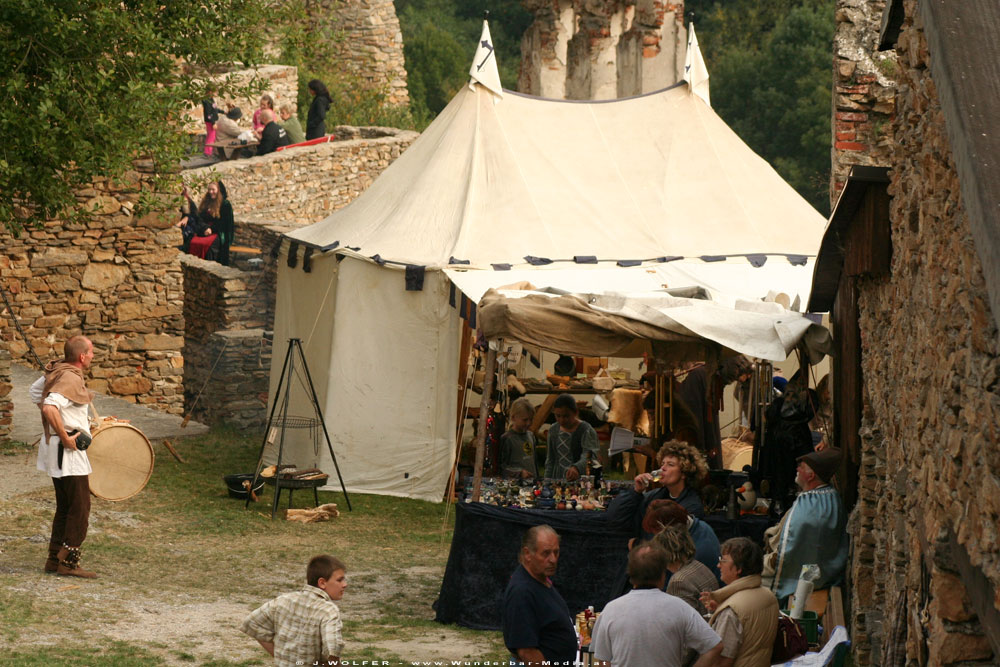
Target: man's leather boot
69,564
52,562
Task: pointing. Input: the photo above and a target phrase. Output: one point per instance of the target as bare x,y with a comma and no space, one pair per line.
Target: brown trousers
69,526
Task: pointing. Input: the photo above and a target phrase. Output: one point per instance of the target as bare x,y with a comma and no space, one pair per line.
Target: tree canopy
89,85
771,69
439,41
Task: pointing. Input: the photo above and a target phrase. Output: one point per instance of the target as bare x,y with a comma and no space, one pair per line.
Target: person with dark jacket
216,217
272,136
210,113
316,120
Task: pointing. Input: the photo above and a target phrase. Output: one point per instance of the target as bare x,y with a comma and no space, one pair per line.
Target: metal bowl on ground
236,488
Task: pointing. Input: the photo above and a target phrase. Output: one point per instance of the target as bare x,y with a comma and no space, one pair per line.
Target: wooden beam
484,411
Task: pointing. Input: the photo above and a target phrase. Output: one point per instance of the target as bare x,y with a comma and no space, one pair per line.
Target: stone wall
929,506
369,43
6,403
116,280
864,91
227,355
303,185
601,50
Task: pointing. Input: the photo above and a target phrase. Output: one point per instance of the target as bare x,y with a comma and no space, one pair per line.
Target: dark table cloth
593,550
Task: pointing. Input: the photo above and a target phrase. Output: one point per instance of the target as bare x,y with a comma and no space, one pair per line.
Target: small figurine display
548,494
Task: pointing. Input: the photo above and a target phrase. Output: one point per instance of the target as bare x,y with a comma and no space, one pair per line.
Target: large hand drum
122,461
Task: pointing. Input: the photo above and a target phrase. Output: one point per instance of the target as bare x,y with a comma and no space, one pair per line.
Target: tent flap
605,325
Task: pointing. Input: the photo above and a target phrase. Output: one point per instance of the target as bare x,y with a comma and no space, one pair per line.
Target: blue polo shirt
536,616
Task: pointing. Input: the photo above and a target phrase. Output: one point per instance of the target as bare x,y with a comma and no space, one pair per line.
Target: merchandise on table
548,494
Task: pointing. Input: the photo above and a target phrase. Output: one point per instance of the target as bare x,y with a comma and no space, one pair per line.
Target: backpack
790,641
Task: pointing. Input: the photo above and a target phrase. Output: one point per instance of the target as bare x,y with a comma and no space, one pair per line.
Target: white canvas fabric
695,70
484,67
638,178
384,362
490,183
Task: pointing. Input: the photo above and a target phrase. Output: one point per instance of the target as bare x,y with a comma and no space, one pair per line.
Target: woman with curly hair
681,468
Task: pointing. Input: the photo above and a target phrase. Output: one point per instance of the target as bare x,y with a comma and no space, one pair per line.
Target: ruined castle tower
369,42
602,49
864,91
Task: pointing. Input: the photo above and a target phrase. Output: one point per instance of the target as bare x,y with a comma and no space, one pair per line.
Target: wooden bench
244,250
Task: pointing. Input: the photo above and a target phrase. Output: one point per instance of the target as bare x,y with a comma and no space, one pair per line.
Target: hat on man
823,463
235,113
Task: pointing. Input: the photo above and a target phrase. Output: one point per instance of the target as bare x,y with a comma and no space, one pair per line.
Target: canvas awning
589,324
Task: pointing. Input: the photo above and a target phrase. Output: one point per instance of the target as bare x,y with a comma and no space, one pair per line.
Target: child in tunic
517,446
569,441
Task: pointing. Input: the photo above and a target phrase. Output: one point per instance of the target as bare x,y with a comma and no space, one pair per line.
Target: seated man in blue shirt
537,624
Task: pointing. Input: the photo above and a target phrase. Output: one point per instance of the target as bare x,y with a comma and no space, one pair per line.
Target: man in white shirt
63,398
648,627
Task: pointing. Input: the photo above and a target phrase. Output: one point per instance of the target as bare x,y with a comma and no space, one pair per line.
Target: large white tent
630,195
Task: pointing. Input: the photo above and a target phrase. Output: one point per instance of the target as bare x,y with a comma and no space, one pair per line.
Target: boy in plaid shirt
304,627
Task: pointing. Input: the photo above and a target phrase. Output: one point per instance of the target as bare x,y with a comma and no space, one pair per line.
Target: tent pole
484,409
463,397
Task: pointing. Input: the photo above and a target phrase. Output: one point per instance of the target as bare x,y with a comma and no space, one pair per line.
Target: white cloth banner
484,64
695,70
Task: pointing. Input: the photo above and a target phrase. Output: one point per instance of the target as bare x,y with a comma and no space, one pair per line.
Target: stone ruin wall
303,185
864,89
229,311
6,402
930,459
600,50
227,354
116,280
369,43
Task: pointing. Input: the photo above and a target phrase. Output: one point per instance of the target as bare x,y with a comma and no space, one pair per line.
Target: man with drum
64,398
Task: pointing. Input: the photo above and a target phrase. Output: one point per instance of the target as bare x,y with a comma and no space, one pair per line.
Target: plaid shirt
304,625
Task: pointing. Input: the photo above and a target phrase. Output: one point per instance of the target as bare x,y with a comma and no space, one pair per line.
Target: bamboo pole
484,410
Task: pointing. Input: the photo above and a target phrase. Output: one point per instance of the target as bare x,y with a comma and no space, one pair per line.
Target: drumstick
170,448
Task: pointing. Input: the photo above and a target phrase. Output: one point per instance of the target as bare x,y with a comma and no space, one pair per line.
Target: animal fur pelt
321,513
627,411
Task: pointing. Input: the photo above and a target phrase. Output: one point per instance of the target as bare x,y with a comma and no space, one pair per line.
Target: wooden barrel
122,461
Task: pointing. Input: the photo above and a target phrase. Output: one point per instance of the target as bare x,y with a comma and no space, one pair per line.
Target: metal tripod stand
287,371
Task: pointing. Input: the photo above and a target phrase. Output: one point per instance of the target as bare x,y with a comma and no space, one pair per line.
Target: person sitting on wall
570,441
291,123
206,241
272,135
188,222
681,467
812,531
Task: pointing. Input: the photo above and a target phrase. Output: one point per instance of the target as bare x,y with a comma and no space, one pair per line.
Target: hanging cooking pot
565,365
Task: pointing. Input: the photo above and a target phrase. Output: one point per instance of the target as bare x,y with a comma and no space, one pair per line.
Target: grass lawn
181,564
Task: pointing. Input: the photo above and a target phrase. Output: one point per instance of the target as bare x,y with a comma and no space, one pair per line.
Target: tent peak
484,70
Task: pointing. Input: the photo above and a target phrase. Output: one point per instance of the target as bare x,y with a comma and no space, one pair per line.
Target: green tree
770,65
89,85
440,38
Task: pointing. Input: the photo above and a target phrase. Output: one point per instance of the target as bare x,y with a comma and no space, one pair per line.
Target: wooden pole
484,411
